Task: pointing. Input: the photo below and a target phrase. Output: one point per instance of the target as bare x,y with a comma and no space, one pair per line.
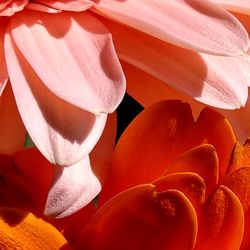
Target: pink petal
64,133
76,5
150,90
73,188
73,54
241,6
3,69
213,80
13,7
43,8
196,25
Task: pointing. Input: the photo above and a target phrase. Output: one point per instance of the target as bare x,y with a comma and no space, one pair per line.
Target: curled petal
197,25
24,229
141,218
73,55
9,8
12,131
191,184
43,8
222,223
73,188
202,160
207,78
73,5
241,6
68,133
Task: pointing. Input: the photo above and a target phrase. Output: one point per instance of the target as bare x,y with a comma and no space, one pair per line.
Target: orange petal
222,223
101,154
12,131
26,178
202,160
153,140
220,134
3,69
240,156
191,184
141,218
19,230
157,137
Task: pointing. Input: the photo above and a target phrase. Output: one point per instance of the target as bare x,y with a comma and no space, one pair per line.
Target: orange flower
174,183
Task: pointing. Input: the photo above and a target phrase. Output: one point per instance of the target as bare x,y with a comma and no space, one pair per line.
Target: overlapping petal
241,6
222,222
69,133
73,53
62,200
198,25
207,78
158,136
141,218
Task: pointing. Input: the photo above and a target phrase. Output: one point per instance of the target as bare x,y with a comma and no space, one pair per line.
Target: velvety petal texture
9,8
69,133
207,78
181,22
73,53
72,188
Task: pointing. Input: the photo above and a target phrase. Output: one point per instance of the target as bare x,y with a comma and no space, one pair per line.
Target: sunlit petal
207,78
73,188
74,57
61,131
241,6
72,5
18,228
198,25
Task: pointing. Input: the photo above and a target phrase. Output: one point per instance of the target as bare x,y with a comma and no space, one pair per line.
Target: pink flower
65,75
